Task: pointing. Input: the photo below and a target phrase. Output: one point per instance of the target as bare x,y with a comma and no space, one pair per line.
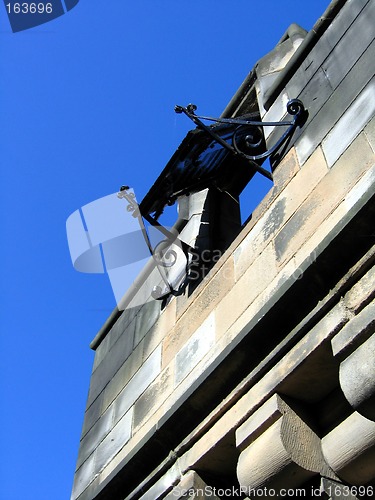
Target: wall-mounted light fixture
224,156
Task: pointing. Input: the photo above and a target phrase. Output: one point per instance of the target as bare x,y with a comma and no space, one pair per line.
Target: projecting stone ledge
192,486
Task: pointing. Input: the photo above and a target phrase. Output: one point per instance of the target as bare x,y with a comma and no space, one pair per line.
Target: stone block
101,351
276,113
248,287
314,96
177,337
194,350
214,287
122,376
153,397
112,334
354,332
121,325
114,441
92,414
118,460
331,227
253,245
149,370
91,489
350,124
194,209
370,133
190,232
283,174
231,329
96,434
309,67
146,318
322,200
164,325
362,292
363,191
209,293
317,127
351,46
294,230
276,60
330,38
181,302
262,85
113,360
83,477
344,20
257,276
314,169
279,212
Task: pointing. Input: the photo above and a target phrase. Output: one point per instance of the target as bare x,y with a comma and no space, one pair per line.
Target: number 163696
29,8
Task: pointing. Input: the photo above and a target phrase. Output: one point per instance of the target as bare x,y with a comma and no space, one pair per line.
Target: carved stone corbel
349,449
357,379
355,350
278,449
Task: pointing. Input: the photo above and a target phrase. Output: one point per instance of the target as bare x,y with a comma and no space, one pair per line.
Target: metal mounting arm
254,136
163,254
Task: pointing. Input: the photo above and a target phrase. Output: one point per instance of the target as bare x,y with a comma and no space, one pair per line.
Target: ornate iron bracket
163,254
253,130
239,130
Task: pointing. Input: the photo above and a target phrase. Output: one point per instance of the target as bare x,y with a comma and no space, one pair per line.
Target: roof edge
303,50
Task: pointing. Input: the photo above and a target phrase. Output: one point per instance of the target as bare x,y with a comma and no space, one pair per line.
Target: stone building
259,374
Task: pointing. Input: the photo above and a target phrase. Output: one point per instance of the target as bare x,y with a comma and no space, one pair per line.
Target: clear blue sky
86,105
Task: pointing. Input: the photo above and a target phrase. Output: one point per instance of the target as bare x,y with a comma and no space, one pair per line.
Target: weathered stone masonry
264,374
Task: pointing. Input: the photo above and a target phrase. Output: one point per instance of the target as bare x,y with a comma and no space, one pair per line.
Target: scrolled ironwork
245,139
252,130
163,254
132,206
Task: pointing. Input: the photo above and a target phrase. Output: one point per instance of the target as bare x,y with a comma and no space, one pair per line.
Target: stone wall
274,342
